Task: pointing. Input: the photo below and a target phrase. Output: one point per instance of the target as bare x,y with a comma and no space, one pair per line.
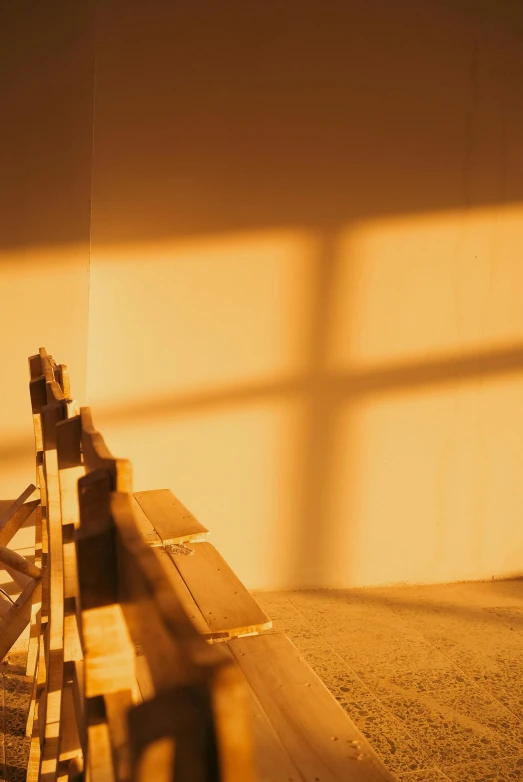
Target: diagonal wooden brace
11,559
17,513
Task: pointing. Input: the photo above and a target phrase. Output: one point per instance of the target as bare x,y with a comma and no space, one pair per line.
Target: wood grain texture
171,520
99,759
184,596
145,527
51,414
150,536
17,521
35,628
70,739
117,706
17,513
108,651
154,614
35,633
225,603
35,367
174,735
98,457
311,727
17,618
105,563
15,561
272,761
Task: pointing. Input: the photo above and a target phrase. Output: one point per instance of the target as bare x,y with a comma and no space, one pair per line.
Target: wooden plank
5,505
70,467
13,517
272,762
62,376
171,520
117,706
35,367
15,561
53,392
156,761
69,737
38,393
5,605
174,735
171,738
150,536
143,676
145,527
17,618
316,733
20,579
108,651
184,596
176,653
33,652
51,414
36,663
35,755
35,752
184,671
11,525
31,712
98,457
220,595
78,690
229,698
99,756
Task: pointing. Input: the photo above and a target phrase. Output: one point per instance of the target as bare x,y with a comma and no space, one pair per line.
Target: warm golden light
287,280
44,293
333,418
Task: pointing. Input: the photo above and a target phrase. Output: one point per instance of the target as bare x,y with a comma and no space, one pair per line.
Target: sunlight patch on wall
428,486
419,286
44,303
236,469
186,316
197,349
206,372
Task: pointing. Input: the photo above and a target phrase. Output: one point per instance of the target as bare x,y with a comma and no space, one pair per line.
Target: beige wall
46,98
306,277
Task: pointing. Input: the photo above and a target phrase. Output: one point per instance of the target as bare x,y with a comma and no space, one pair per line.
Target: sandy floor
433,676
15,695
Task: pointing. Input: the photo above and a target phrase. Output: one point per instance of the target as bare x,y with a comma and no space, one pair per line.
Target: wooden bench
151,660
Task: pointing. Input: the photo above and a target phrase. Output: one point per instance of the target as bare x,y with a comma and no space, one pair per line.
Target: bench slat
151,537
147,530
171,520
184,596
319,737
272,762
226,605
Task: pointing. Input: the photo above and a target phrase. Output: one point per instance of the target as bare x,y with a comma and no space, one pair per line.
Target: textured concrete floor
433,676
15,696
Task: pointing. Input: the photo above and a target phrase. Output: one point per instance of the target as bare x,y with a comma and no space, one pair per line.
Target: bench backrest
127,689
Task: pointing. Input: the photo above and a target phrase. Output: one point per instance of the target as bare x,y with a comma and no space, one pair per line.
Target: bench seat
212,595
129,591
300,732
171,520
